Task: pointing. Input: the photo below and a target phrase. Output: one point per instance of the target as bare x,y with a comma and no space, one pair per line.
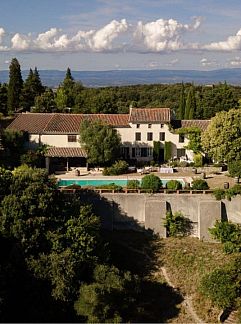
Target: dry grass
186,261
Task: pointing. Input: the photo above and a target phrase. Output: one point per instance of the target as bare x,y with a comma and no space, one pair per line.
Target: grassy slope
186,261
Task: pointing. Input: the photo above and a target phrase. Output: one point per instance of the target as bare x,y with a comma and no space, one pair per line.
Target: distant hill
52,78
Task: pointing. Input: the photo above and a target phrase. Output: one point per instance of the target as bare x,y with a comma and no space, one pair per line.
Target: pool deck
129,176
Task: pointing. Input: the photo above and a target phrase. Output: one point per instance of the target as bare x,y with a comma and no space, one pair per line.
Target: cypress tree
190,108
182,104
15,86
37,83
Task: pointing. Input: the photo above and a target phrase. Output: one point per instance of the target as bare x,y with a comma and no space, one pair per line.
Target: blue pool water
119,182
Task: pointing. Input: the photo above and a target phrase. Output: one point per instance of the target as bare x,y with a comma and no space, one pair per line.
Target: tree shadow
136,249
24,298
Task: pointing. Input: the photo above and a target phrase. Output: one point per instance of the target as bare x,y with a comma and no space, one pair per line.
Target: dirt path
187,301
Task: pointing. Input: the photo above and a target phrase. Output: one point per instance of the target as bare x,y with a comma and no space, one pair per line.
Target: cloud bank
160,36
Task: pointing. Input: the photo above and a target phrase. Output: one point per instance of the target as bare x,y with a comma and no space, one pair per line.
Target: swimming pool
100,182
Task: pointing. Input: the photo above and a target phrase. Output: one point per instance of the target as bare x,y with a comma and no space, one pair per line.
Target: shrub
151,182
174,185
234,168
219,194
111,186
133,184
200,184
119,167
220,287
183,164
198,160
228,234
177,225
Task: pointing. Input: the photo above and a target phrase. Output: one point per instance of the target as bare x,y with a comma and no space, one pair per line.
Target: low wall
149,210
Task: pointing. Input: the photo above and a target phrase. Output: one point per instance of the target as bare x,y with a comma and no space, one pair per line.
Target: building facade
139,130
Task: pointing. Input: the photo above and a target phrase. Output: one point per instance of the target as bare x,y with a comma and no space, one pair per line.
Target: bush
177,225
133,184
151,182
220,287
234,168
119,167
198,160
228,234
199,184
174,185
183,164
111,186
219,194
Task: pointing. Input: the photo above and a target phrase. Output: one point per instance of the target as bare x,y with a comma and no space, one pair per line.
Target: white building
138,130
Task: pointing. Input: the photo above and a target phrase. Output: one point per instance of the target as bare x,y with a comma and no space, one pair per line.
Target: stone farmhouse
138,130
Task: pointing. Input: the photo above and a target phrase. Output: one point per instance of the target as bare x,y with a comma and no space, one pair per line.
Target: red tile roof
36,123
65,152
202,124
150,115
32,123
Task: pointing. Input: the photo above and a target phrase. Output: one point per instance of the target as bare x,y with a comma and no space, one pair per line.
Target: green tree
32,87
101,142
190,108
182,103
4,99
44,102
222,138
110,297
14,86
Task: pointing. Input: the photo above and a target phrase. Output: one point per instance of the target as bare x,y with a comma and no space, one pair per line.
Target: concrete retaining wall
149,210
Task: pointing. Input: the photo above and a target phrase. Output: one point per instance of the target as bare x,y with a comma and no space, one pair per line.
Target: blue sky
121,34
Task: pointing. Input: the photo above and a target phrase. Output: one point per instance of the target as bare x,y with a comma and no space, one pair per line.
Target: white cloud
20,42
159,36
173,62
232,43
235,61
163,35
208,62
2,34
103,38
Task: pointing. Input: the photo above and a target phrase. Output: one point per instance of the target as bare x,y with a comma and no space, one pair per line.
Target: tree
32,88
45,102
3,99
182,103
222,138
194,136
110,297
14,86
190,108
101,142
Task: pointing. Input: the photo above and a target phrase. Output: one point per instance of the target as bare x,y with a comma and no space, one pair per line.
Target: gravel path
187,301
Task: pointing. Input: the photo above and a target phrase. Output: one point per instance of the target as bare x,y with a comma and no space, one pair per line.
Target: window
181,152
181,138
149,136
137,125
149,125
161,125
72,138
162,136
138,136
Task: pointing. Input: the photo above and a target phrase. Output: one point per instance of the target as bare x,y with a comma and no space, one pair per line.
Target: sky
104,35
